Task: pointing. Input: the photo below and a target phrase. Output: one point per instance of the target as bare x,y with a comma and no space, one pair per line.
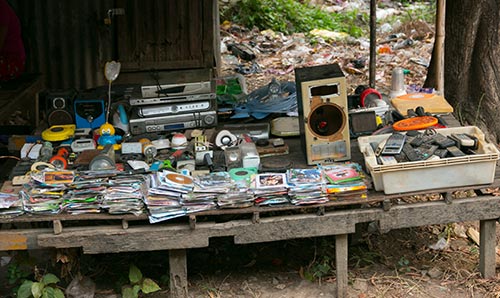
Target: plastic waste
397,83
440,244
242,51
403,44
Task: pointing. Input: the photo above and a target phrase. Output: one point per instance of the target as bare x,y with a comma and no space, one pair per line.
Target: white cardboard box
431,174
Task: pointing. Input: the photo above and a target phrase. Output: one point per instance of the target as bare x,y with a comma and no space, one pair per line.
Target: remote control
411,154
425,151
465,140
417,140
455,152
443,141
394,144
441,153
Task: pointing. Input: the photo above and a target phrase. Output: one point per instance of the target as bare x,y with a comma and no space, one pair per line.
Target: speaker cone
326,120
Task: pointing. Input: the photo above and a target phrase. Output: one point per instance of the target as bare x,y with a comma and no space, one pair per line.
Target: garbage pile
260,55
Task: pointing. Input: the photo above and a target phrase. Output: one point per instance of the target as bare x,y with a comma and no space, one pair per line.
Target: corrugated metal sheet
68,41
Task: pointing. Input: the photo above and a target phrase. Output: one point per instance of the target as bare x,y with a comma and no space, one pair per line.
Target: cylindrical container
148,149
397,83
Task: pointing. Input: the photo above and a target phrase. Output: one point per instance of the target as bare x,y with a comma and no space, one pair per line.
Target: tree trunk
472,63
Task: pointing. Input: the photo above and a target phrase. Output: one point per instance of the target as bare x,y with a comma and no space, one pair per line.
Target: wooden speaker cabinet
323,116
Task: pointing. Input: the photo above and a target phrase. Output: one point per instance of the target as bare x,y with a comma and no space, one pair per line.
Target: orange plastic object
384,49
415,123
60,160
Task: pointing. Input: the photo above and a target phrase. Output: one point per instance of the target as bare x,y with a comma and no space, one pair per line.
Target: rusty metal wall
68,41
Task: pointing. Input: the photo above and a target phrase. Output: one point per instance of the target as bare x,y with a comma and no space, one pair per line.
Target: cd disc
179,179
241,173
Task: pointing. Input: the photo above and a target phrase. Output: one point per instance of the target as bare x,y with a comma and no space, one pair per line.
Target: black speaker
323,117
59,106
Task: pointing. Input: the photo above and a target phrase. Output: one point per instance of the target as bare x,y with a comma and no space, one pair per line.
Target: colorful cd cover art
341,173
304,176
270,180
58,177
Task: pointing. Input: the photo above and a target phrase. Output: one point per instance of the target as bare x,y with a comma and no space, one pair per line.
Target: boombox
323,116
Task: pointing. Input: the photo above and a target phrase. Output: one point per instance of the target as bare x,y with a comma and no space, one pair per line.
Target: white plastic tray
426,175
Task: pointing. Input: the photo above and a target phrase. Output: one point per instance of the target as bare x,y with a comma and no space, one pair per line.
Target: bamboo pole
439,44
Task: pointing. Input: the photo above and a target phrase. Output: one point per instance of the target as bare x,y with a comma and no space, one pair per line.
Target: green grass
290,16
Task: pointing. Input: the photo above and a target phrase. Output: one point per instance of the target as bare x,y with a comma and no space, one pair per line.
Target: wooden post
487,248
57,226
341,264
373,42
178,273
439,44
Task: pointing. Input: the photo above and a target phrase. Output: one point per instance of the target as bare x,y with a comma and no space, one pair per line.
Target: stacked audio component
186,100
323,117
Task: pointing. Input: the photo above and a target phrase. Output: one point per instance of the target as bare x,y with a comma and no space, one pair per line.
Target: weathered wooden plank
13,241
487,248
100,239
341,265
69,217
297,226
439,212
180,236
178,273
20,239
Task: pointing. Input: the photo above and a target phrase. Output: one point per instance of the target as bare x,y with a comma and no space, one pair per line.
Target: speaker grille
59,117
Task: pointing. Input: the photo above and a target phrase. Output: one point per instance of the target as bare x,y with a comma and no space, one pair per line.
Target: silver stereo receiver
140,125
175,83
175,108
179,89
139,101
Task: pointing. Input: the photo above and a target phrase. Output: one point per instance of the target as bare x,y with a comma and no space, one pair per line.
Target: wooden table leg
341,264
178,273
487,248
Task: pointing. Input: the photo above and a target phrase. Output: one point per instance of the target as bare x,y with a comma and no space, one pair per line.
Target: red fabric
12,55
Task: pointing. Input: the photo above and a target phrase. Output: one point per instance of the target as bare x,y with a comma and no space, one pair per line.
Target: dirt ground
396,264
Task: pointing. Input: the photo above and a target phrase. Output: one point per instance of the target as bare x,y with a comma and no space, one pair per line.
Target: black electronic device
410,153
57,106
426,151
454,151
394,144
443,141
441,153
363,122
233,158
